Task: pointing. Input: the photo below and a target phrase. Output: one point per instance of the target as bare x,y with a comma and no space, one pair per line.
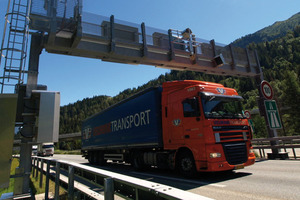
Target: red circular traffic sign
247,114
266,90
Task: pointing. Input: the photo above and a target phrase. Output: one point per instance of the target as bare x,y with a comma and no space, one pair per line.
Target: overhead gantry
67,30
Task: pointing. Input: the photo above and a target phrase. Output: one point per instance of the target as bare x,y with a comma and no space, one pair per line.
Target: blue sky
222,20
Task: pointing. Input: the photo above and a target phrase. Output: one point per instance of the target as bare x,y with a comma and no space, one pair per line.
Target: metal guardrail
62,137
79,180
289,142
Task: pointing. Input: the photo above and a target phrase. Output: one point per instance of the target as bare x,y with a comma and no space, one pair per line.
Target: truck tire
100,158
186,164
91,158
137,161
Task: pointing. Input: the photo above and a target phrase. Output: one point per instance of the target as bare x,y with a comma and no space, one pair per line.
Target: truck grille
235,153
231,133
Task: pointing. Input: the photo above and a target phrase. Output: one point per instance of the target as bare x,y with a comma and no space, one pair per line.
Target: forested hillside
276,30
279,58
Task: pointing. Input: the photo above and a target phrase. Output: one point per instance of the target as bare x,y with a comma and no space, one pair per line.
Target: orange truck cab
204,121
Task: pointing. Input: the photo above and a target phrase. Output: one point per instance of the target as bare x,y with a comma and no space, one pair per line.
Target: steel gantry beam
87,35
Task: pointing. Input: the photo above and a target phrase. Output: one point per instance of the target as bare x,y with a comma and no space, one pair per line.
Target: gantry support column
30,109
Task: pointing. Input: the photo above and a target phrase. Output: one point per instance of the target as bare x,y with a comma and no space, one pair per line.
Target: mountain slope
276,30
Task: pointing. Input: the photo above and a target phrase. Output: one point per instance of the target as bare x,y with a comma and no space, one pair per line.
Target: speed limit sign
266,90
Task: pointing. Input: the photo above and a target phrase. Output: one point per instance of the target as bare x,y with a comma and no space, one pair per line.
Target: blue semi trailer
132,123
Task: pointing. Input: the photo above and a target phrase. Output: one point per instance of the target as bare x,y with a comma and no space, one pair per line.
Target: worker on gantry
191,42
186,34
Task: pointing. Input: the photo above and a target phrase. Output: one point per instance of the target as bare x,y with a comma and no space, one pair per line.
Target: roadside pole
30,108
265,95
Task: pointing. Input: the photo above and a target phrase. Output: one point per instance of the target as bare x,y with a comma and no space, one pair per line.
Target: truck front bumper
222,165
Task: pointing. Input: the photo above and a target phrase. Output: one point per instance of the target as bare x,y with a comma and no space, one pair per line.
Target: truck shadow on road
173,179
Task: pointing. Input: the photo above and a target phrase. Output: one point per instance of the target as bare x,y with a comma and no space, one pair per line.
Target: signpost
248,116
270,106
272,114
272,118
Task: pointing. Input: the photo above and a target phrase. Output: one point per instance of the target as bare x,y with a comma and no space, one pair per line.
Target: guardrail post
136,194
71,183
41,173
57,174
33,167
47,180
109,189
260,152
294,152
283,143
37,169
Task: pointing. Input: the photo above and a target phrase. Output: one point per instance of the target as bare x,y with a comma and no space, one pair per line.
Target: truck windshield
48,146
215,106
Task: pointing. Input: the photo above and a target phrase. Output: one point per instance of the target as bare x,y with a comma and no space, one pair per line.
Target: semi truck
45,149
191,126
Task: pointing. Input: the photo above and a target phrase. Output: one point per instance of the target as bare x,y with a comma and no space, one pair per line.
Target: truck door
176,123
191,120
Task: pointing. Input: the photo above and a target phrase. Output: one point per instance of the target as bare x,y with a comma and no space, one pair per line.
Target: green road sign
273,114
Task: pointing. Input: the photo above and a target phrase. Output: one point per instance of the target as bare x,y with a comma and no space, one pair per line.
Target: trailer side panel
135,122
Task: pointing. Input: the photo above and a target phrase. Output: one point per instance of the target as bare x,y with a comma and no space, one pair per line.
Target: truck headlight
215,155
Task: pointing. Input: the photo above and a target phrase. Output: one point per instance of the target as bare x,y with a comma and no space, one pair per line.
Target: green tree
260,130
291,99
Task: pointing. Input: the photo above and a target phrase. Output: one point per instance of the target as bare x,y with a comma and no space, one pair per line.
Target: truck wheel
137,162
91,158
186,164
100,158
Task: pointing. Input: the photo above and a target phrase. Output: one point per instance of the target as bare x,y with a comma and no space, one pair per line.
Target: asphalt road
268,179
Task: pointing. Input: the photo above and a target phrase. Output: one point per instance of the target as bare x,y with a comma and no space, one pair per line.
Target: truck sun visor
211,96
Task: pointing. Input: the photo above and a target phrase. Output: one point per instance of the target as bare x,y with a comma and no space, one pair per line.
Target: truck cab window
223,108
191,107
